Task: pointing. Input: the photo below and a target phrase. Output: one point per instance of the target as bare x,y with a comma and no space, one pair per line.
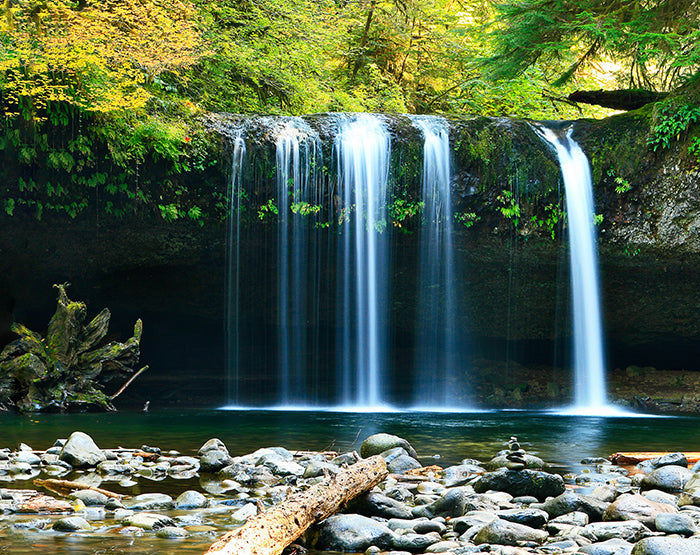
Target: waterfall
362,148
298,196
233,276
438,343
589,369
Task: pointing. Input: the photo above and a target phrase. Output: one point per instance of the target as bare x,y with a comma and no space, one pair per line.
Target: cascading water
362,147
299,195
438,345
233,276
589,369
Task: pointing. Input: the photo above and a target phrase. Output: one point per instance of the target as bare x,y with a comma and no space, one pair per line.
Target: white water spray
363,147
589,369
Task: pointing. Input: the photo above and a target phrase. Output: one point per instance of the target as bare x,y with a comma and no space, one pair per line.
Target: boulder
150,502
417,543
376,504
460,475
569,502
534,518
636,507
71,524
214,444
680,524
399,461
379,443
352,533
502,532
80,451
614,546
191,499
148,521
90,497
630,530
172,533
667,546
667,478
451,504
675,459
214,460
521,482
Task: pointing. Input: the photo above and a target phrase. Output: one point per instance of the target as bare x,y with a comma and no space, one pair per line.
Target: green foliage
553,215
671,123
268,208
509,206
467,219
304,208
402,211
597,219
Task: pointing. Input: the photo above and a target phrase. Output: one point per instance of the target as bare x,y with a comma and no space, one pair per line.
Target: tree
656,43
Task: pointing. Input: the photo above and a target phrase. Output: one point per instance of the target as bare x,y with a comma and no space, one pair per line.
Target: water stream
589,365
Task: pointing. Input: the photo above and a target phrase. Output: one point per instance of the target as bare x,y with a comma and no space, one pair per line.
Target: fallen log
65,487
270,532
637,457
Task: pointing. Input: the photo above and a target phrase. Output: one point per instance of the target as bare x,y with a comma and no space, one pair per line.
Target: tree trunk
617,100
270,532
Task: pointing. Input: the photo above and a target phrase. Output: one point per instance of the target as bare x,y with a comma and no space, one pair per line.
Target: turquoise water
562,440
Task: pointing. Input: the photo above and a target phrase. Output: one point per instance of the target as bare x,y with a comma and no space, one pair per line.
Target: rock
399,461
667,478
675,459
661,497
352,533
150,502
319,468
244,513
614,546
80,451
443,547
172,533
631,531
379,443
191,500
90,497
418,525
148,521
577,518
376,504
44,504
111,467
28,458
214,444
521,482
680,524
248,475
71,524
636,507
415,542
569,502
534,518
460,475
214,460
280,466
502,532
501,460
451,504
667,546
605,493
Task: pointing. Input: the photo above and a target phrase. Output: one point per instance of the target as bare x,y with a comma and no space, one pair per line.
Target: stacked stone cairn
510,505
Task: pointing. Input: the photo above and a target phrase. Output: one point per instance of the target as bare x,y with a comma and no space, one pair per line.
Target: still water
443,438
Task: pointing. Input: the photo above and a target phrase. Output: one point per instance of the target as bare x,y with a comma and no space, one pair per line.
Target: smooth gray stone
280,466
502,532
111,467
675,459
150,502
614,546
680,524
667,546
661,497
80,451
501,460
148,521
318,468
570,501
636,507
461,474
631,531
352,533
451,504
415,542
379,443
91,498
443,546
191,499
214,460
71,524
534,518
214,444
521,482
29,458
172,533
477,518
399,461
377,504
667,478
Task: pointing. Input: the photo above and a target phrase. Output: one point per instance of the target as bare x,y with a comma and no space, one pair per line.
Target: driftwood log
66,487
638,456
270,532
